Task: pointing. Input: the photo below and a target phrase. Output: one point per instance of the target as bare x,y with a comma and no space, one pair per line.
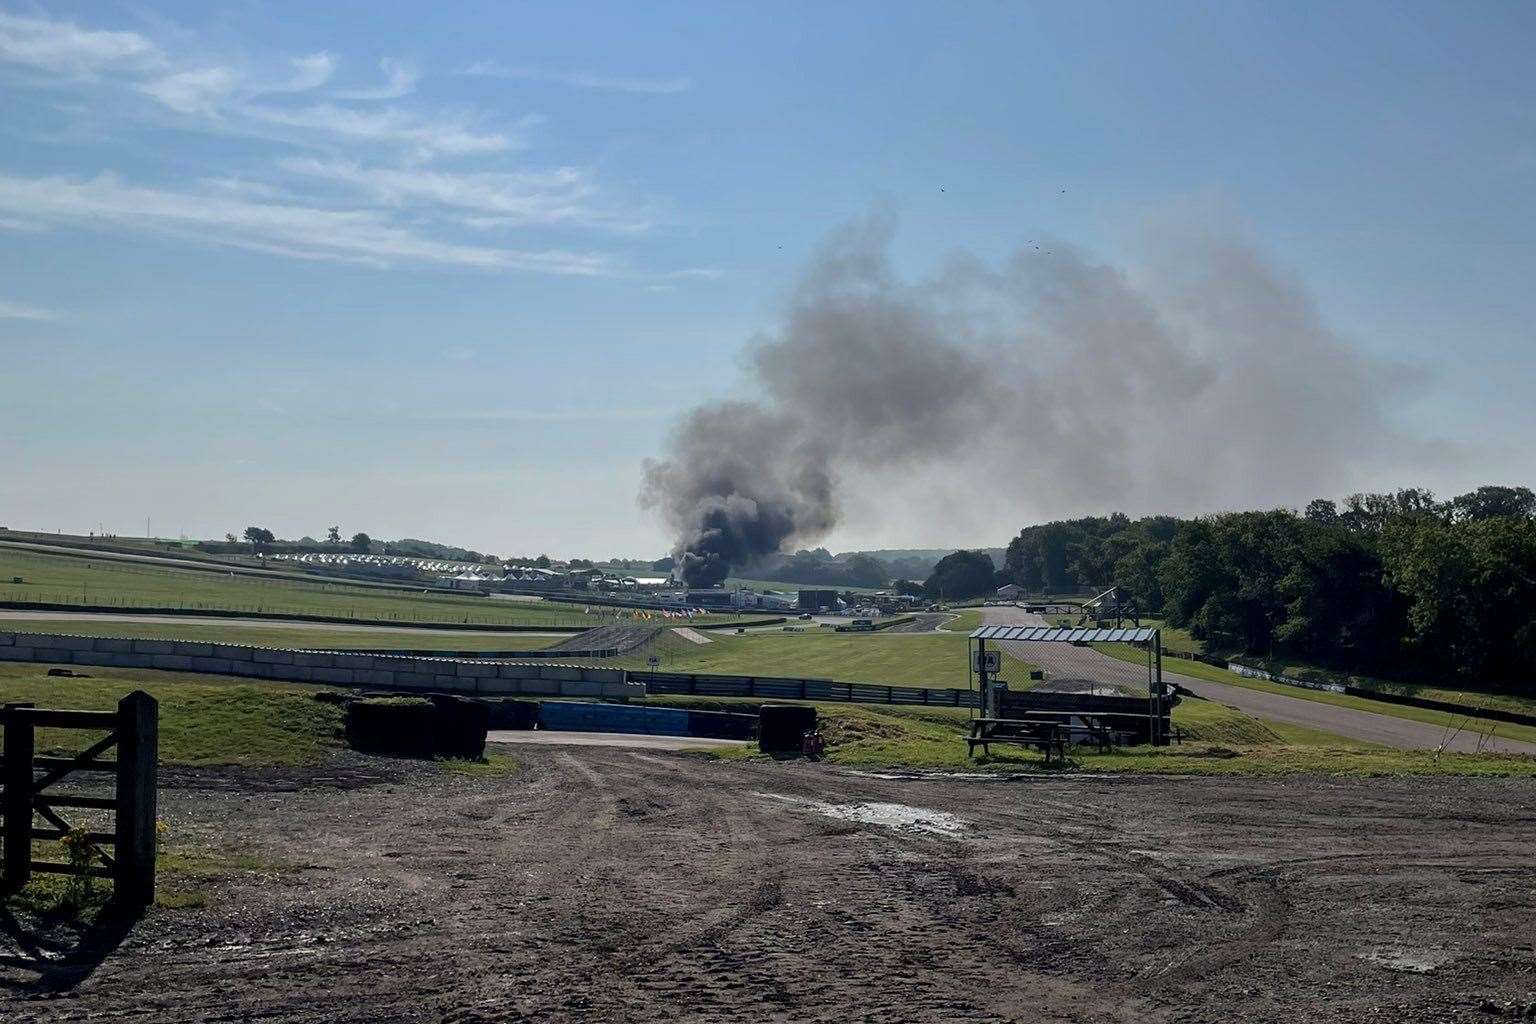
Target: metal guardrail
784,688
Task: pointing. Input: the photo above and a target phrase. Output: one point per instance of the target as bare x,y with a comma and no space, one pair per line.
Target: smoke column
1196,376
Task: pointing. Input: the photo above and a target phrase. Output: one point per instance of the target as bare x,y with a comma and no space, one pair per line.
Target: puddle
898,816
1000,776
1408,961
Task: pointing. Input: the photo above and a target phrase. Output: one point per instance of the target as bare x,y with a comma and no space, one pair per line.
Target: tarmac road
1065,660
18,618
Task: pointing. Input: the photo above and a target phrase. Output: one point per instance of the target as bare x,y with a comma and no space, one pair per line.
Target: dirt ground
603,884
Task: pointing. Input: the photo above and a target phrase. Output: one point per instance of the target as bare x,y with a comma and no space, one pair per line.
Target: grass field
278,634
71,580
910,659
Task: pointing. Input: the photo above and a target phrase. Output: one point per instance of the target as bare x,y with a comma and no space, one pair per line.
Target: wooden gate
134,730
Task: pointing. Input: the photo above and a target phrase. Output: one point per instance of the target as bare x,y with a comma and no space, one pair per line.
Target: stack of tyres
782,727
461,725
403,727
511,713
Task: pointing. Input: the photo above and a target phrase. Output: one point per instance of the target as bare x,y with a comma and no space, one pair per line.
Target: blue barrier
574,716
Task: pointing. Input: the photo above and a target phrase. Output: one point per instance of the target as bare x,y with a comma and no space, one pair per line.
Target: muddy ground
601,884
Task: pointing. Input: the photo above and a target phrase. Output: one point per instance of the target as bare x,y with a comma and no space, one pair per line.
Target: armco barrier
1386,697
775,688
378,671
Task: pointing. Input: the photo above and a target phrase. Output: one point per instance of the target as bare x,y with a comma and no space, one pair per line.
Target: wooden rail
134,730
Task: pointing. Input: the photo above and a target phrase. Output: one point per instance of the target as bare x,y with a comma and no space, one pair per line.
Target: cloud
400,79
498,198
18,311
65,48
428,136
581,79
201,91
309,72
289,229
12,224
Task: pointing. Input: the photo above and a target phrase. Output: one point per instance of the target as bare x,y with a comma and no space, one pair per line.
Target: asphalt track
1064,660
20,617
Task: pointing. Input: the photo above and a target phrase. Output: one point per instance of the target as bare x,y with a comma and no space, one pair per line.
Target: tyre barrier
782,727
442,726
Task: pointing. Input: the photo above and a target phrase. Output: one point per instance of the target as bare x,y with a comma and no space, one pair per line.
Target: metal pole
1162,697
983,679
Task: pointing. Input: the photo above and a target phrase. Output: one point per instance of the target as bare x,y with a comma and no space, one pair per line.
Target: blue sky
453,271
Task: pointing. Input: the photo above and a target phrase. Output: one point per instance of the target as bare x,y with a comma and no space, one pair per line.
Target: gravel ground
602,884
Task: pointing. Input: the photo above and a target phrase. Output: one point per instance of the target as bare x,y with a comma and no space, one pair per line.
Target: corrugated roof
1066,634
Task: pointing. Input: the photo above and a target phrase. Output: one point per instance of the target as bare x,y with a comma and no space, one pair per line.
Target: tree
961,576
258,536
1322,511
542,562
333,535
362,543
1494,502
863,570
231,538
666,564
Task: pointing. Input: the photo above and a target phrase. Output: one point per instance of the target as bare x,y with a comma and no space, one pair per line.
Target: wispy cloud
65,48
581,79
199,91
400,79
309,72
564,195
427,136
18,311
354,236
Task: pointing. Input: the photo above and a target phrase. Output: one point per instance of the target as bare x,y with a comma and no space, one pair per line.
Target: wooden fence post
18,798
138,752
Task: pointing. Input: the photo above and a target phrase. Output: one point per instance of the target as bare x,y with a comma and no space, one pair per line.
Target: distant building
817,600
1010,592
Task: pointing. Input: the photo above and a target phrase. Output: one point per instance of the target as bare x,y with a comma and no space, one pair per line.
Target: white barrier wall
373,671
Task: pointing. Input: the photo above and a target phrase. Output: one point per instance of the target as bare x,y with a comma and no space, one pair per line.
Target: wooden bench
1045,735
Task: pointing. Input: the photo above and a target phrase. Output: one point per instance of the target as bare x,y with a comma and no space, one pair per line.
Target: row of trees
261,538
1392,583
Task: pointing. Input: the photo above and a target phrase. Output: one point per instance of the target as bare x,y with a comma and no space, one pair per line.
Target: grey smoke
1196,377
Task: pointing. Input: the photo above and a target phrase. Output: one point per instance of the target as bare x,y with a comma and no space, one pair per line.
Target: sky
454,271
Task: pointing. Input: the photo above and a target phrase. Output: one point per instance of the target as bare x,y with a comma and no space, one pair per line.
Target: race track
1064,660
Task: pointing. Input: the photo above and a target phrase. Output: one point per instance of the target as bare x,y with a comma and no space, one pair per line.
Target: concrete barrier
377,672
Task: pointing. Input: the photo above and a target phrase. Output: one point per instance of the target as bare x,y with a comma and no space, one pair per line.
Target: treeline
819,567
1397,583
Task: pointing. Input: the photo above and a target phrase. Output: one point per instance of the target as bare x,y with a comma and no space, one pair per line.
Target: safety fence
780,688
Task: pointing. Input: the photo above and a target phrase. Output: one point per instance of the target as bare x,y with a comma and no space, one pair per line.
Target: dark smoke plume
1198,378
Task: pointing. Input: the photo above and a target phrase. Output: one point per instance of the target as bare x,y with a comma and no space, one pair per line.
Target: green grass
1218,741
85,581
204,720
285,635
1200,670
966,621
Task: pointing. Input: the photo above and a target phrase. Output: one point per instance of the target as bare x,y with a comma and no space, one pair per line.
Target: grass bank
1218,741
204,720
